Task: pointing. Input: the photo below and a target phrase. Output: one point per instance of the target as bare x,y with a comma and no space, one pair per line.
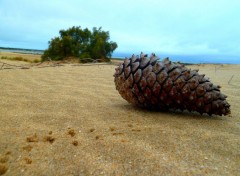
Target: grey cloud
166,26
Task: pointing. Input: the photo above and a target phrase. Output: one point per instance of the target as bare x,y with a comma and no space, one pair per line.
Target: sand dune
70,120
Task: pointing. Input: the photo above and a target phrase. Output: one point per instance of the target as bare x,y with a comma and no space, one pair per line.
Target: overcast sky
168,26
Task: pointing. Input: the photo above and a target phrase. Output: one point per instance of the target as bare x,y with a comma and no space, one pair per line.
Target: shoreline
11,52
22,50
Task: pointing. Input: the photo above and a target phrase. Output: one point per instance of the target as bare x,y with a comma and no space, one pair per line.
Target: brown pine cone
151,83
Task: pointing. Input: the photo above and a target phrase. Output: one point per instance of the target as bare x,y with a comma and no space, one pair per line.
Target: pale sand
70,120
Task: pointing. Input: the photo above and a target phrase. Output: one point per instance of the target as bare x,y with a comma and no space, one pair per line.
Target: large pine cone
151,83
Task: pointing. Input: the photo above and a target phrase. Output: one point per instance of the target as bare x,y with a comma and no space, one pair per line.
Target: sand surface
70,120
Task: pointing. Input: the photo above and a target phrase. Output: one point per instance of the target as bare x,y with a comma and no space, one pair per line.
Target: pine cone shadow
171,113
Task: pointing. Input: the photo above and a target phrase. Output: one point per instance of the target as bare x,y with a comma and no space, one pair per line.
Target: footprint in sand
3,168
71,132
36,138
33,138
28,160
3,163
27,148
75,143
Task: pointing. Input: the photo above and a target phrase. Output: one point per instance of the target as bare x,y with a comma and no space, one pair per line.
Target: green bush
81,43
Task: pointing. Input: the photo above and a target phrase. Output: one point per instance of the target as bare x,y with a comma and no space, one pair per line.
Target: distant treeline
22,49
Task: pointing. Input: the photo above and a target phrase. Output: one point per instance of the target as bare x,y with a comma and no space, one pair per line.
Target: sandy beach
70,120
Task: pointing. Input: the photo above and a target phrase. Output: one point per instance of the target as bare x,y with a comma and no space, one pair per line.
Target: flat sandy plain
70,120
